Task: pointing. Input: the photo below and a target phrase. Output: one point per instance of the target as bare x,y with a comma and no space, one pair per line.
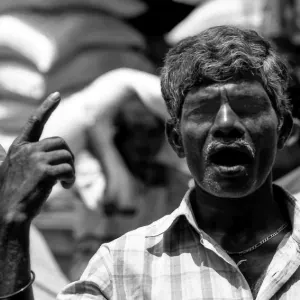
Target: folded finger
63,173
57,157
54,143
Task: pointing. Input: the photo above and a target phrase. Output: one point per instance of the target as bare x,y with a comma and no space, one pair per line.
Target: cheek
193,139
265,138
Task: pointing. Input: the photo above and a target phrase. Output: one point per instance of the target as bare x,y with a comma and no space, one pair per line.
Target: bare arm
27,174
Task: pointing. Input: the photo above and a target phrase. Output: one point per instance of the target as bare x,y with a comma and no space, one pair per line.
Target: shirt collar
291,203
184,209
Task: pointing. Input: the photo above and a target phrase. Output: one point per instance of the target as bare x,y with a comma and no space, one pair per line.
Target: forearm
80,111
147,87
105,95
15,260
101,146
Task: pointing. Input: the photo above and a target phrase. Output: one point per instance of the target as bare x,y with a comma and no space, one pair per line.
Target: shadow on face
288,158
229,135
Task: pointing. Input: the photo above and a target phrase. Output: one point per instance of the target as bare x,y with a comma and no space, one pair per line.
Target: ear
293,138
174,137
285,130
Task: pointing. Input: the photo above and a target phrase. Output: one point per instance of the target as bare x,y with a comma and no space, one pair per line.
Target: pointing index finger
34,127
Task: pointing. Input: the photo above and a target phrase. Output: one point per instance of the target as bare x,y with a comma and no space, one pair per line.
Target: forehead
229,89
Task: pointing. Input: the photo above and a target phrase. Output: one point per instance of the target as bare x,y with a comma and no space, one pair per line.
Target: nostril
110,209
228,133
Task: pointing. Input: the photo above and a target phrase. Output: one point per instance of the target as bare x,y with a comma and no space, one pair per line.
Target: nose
227,125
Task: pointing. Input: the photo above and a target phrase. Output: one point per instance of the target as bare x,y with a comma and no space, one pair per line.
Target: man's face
229,137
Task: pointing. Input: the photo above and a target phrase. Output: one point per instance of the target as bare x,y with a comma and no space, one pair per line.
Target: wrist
14,228
14,257
24,293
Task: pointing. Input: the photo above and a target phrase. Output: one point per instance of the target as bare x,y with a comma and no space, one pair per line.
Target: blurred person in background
125,135
144,180
157,187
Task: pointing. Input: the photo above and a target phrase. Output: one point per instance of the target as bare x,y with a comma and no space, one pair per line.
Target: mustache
241,145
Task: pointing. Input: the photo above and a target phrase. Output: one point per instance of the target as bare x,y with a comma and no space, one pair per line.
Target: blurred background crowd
54,45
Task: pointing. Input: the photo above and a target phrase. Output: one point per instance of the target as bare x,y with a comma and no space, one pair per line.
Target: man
235,235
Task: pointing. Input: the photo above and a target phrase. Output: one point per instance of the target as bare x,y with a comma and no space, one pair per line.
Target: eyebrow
239,91
248,96
203,95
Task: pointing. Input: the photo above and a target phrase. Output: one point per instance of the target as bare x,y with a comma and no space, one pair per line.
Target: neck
240,219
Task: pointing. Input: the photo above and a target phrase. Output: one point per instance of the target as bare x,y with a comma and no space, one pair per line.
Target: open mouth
231,156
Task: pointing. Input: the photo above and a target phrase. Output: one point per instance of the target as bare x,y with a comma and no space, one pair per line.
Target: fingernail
56,96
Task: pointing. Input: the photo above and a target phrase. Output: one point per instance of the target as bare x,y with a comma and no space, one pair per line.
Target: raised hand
32,167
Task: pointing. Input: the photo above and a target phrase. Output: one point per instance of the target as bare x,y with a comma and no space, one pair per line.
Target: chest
197,286
253,267
190,275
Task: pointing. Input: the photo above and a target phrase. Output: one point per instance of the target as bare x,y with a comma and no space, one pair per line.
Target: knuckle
69,169
69,156
42,170
48,171
20,150
65,153
38,157
60,141
29,147
33,119
13,148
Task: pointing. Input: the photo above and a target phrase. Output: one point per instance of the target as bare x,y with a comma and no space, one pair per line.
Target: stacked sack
52,45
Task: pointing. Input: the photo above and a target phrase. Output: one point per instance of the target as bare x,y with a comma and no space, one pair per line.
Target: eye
205,108
250,105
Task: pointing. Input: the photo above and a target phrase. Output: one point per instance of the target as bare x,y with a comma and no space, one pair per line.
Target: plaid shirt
174,259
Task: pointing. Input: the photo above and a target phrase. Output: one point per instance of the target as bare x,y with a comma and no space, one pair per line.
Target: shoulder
136,240
123,258
129,261
133,243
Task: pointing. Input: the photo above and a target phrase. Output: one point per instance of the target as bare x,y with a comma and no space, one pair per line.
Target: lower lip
231,171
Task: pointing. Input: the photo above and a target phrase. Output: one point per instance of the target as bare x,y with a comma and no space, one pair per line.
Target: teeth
231,169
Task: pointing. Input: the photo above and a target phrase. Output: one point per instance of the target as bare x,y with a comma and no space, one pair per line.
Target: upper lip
234,147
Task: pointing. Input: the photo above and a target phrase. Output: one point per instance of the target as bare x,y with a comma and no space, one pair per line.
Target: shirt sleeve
95,282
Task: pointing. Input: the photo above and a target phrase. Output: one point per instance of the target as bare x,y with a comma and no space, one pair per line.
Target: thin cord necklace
282,227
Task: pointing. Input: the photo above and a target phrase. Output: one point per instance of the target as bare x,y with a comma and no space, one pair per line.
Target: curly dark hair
223,54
